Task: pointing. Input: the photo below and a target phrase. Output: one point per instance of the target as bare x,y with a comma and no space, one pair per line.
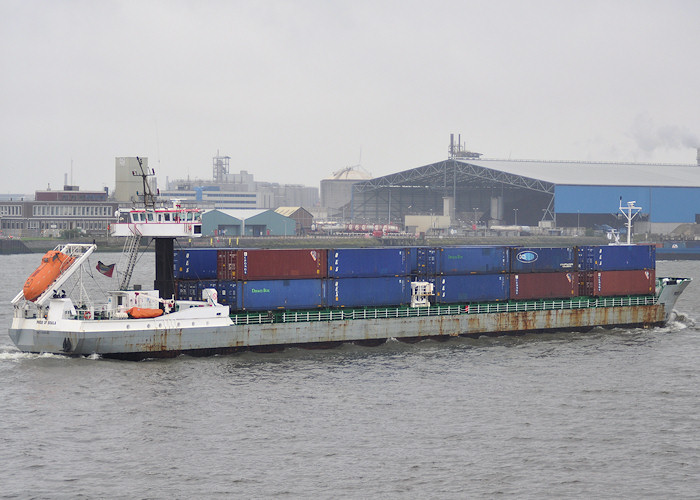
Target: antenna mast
630,211
149,199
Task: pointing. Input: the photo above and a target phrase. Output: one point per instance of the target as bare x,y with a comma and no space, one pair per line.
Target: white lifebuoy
86,315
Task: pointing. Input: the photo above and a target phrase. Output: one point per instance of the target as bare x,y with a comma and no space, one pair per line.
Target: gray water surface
606,414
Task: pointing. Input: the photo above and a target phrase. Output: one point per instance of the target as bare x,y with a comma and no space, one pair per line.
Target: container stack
616,270
262,280
464,273
543,273
368,277
265,280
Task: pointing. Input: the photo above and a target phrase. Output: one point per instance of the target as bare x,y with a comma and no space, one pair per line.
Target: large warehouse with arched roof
529,191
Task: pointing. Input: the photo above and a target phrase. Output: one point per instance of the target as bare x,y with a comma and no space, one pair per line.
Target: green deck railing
446,310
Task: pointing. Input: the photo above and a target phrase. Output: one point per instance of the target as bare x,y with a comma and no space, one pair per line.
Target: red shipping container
528,286
609,283
262,264
226,264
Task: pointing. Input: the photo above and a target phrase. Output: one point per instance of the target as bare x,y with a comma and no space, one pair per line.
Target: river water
606,414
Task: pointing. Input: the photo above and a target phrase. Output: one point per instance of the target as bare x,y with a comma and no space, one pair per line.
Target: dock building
470,191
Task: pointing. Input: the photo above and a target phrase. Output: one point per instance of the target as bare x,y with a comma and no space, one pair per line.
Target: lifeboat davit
53,263
143,312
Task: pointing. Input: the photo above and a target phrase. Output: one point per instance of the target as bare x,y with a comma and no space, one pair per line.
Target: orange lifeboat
53,263
143,312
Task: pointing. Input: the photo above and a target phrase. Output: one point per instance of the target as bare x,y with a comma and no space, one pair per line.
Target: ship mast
149,199
630,211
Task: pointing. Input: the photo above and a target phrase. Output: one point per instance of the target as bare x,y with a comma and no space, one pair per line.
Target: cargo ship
228,300
217,301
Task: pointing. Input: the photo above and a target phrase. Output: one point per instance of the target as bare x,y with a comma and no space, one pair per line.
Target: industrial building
336,190
303,218
230,191
246,223
472,191
53,212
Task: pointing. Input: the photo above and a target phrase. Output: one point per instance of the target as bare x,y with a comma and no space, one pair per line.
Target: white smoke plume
649,137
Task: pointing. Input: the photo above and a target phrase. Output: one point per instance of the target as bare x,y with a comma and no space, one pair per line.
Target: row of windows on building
229,195
72,210
10,209
87,225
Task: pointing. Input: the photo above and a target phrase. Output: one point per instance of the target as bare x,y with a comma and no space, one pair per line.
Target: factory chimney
698,157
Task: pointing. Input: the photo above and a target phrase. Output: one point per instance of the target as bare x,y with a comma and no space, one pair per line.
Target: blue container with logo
194,263
367,262
368,292
471,260
269,295
616,257
542,260
471,288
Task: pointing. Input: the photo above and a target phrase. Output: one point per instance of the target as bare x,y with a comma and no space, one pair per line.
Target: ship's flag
105,269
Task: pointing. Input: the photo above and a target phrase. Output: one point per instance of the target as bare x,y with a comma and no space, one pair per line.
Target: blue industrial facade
663,204
526,192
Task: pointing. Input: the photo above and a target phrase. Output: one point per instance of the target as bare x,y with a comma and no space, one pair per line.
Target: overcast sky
294,90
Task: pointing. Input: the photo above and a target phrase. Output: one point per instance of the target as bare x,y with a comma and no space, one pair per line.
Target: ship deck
251,318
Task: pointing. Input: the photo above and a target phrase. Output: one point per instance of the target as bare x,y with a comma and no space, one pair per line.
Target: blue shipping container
194,263
542,260
186,290
472,260
423,261
268,295
616,257
368,292
201,285
471,288
192,290
226,289
412,253
367,262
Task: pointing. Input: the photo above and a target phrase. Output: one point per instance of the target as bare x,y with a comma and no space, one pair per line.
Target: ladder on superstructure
131,250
